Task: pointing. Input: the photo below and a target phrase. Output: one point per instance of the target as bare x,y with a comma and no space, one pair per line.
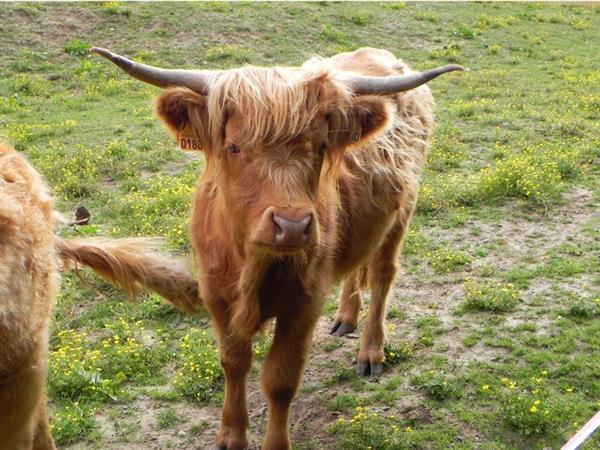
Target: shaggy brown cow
311,177
30,257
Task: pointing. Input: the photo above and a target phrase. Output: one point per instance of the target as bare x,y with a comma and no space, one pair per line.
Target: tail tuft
136,265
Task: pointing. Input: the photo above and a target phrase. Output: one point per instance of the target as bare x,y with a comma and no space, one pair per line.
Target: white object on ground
586,431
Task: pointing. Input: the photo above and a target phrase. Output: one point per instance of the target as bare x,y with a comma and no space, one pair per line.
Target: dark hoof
340,328
369,369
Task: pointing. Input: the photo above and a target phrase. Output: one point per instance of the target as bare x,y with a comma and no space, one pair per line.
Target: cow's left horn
363,85
194,79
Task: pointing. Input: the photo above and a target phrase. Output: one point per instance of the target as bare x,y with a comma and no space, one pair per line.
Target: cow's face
269,167
276,185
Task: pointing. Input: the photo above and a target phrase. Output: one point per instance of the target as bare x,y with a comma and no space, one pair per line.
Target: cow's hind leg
382,273
282,372
346,317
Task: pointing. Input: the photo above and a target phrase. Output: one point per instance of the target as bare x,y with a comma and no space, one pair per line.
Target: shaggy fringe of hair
277,103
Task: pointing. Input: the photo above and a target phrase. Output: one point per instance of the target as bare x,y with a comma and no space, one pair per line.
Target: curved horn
363,85
194,79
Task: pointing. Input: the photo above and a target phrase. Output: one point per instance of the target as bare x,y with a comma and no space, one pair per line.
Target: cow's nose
291,233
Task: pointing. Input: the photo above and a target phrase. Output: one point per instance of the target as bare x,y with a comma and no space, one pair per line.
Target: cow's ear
184,112
364,118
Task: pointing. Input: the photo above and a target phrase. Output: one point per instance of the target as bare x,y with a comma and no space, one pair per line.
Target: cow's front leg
236,358
282,372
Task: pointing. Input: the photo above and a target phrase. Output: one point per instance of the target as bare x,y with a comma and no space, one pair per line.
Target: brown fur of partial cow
297,142
30,259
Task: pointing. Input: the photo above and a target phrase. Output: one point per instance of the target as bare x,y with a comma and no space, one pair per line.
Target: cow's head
272,136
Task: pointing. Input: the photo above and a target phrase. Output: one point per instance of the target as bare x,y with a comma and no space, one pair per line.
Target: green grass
229,53
199,376
72,422
77,48
447,260
437,385
493,297
167,418
499,296
585,308
115,8
396,352
370,429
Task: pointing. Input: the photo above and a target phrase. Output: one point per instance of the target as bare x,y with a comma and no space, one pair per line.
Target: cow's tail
136,265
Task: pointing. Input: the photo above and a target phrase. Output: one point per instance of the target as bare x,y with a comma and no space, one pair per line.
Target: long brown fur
135,265
307,146
30,259
28,280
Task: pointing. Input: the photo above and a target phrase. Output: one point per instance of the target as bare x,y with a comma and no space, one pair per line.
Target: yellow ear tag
188,141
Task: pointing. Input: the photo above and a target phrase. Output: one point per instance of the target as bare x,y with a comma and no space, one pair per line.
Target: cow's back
380,180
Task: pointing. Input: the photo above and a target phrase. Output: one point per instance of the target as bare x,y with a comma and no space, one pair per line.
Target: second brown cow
311,178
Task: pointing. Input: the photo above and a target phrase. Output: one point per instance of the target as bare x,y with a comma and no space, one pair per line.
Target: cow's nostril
308,220
291,232
278,229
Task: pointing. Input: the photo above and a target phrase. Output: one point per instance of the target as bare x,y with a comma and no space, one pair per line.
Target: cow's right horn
194,79
366,85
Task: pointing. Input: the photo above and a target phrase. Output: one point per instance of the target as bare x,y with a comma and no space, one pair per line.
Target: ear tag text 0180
189,141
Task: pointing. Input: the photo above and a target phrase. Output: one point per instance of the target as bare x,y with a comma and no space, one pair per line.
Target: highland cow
311,178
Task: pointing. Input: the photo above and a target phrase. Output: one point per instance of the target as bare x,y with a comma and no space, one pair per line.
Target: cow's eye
233,149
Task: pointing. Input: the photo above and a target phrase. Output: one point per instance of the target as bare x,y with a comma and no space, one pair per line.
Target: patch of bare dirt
531,235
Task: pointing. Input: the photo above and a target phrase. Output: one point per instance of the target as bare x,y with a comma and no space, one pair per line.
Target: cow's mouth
282,250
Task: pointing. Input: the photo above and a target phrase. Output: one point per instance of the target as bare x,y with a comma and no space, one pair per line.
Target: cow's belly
362,239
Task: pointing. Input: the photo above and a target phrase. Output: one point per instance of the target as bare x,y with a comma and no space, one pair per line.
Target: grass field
494,326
